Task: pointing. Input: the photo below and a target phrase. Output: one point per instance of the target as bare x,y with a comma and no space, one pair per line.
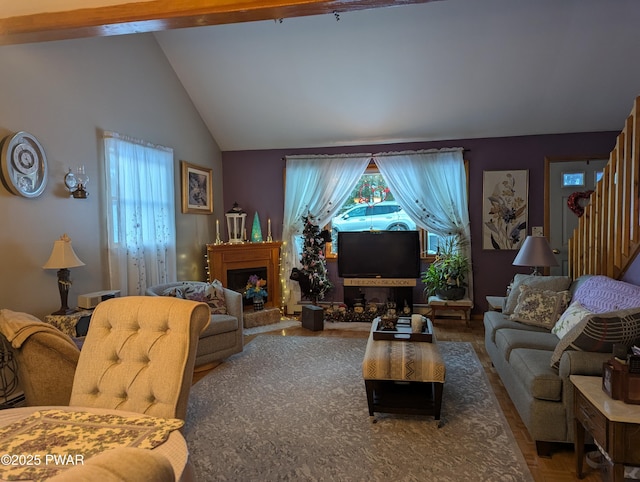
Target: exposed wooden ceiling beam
168,14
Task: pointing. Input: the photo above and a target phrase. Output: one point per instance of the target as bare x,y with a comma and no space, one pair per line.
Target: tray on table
403,331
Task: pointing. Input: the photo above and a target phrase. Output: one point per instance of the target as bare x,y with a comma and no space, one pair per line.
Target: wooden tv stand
380,282
402,289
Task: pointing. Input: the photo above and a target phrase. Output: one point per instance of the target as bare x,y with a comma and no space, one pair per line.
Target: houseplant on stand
446,277
255,291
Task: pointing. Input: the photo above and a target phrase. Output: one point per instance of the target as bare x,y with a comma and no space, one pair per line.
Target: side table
438,304
67,323
613,424
495,303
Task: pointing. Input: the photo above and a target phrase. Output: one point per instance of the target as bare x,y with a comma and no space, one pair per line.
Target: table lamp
62,258
536,253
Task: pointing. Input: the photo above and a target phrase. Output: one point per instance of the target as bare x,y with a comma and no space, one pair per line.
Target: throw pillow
214,297
209,293
598,332
540,307
570,318
192,291
551,283
174,291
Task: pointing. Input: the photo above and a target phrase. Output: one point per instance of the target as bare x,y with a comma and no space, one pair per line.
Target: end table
613,424
495,303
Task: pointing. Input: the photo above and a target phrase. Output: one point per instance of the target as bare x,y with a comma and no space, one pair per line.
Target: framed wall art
197,189
504,209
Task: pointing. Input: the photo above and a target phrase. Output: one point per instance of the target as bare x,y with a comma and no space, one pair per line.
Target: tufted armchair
139,355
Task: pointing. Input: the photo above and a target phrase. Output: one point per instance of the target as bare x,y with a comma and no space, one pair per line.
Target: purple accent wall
255,179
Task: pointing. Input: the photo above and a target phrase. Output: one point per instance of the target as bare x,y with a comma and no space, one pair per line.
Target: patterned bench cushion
403,361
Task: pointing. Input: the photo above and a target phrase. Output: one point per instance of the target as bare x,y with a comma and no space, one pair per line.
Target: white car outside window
383,216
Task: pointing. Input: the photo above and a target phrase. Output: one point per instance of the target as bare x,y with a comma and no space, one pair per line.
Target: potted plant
446,276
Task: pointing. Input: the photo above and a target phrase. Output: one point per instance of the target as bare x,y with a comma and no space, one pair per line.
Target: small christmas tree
314,263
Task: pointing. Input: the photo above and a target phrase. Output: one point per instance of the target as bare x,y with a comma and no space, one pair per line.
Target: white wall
65,93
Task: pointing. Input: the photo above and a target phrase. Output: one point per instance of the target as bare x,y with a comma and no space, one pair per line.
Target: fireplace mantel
224,257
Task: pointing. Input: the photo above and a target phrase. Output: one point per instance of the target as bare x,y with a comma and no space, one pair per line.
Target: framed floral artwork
504,209
197,189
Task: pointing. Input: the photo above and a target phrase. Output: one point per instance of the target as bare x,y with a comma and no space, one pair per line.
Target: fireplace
232,264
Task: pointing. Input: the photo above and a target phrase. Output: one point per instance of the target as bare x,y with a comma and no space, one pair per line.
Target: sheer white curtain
316,185
140,212
431,186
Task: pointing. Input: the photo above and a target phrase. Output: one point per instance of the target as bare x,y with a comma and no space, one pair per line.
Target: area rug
294,408
281,325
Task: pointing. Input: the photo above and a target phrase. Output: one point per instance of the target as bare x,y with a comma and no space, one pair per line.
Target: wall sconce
77,183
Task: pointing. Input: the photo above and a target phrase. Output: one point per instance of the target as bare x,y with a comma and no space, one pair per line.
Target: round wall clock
24,165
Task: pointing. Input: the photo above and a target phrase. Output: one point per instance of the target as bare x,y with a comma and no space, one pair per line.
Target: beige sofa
224,335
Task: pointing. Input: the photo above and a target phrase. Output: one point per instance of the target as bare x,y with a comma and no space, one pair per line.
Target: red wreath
574,202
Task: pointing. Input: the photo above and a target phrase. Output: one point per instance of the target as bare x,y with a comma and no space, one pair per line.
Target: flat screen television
378,254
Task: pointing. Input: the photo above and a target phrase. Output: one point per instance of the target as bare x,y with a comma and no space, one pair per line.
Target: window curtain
431,186
140,205
316,185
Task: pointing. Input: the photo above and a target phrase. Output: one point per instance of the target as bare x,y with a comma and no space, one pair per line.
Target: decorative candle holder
218,240
269,238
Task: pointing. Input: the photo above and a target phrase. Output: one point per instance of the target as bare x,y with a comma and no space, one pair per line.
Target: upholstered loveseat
535,358
224,335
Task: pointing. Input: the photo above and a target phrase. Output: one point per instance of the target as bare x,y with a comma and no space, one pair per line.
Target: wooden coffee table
403,376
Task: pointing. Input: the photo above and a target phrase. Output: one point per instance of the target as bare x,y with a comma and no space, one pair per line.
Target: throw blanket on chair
17,327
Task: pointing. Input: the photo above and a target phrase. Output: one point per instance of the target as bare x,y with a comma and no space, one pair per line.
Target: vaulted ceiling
448,69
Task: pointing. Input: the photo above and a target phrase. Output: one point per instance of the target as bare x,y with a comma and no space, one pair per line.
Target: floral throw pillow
570,318
192,291
174,291
552,283
209,293
214,294
540,307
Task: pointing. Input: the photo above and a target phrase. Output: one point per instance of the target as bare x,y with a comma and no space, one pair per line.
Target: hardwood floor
559,468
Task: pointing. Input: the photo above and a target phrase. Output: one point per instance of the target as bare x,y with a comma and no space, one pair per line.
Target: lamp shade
535,252
62,255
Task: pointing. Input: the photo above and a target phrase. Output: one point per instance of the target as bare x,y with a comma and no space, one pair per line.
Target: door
567,178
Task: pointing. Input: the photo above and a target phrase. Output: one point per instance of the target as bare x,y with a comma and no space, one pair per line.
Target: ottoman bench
403,376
